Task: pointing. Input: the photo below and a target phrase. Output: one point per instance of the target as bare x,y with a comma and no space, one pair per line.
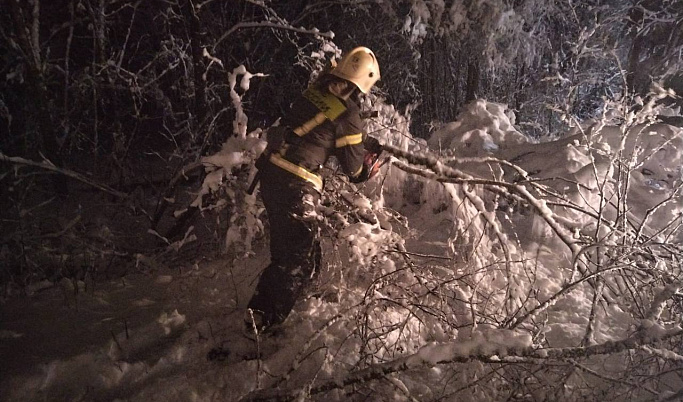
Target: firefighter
324,121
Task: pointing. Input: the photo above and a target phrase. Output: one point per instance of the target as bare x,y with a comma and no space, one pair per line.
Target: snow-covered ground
456,289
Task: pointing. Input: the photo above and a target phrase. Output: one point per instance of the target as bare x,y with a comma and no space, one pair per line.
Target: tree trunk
472,90
196,35
27,32
454,65
633,75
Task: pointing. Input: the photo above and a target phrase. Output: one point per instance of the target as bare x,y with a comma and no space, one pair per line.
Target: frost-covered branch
597,374
298,359
457,352
251,25
515,322
445,173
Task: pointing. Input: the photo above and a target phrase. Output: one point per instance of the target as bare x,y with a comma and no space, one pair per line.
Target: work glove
374,150
371,164
370,168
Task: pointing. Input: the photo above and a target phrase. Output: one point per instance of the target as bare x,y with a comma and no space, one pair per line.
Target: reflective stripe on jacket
297,170
326,125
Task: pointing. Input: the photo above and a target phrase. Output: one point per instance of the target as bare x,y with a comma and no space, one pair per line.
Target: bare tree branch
249,25
47,165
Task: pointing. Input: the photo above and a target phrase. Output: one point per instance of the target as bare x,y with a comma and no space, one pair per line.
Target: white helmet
360,67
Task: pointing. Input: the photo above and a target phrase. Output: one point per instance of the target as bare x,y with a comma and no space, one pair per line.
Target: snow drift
477,266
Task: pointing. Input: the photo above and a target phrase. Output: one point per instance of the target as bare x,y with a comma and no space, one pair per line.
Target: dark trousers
294,247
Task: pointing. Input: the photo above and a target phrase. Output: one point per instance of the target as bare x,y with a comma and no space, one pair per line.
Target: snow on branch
444,173
241,119
251,25
469,351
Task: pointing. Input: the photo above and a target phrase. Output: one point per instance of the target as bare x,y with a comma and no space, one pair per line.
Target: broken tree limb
170,190
432,168
47,165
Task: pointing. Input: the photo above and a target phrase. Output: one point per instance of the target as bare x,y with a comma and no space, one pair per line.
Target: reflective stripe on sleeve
305,128
297,170
349,140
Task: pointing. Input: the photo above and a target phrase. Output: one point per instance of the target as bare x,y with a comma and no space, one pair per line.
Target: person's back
339,134
323,121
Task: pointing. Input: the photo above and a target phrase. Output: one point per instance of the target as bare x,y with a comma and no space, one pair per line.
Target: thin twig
249,25
439,257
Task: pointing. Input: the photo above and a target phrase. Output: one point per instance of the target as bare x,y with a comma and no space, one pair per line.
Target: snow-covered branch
444,173
450,353
252,25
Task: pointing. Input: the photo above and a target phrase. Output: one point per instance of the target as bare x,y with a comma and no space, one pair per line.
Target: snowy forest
522,241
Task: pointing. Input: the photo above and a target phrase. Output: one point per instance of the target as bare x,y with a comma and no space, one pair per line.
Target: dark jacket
323,125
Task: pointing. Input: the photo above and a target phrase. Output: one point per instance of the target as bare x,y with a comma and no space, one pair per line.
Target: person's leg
295,252
274,296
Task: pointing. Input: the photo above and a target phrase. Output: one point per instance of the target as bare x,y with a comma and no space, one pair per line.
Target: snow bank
482,342
580,171
483,126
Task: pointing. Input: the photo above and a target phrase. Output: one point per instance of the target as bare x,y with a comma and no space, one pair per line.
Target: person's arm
371,165
350,152
358,153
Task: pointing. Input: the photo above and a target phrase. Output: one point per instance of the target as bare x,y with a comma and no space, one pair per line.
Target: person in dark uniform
324,121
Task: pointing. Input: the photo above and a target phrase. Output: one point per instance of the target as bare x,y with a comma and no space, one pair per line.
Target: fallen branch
446,174
47,165
170,190
611,379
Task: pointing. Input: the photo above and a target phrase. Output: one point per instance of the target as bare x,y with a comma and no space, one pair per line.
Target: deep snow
146,336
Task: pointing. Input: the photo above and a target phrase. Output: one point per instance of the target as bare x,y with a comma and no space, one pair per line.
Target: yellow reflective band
360,169
349,140
297,170
306,128
326,102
